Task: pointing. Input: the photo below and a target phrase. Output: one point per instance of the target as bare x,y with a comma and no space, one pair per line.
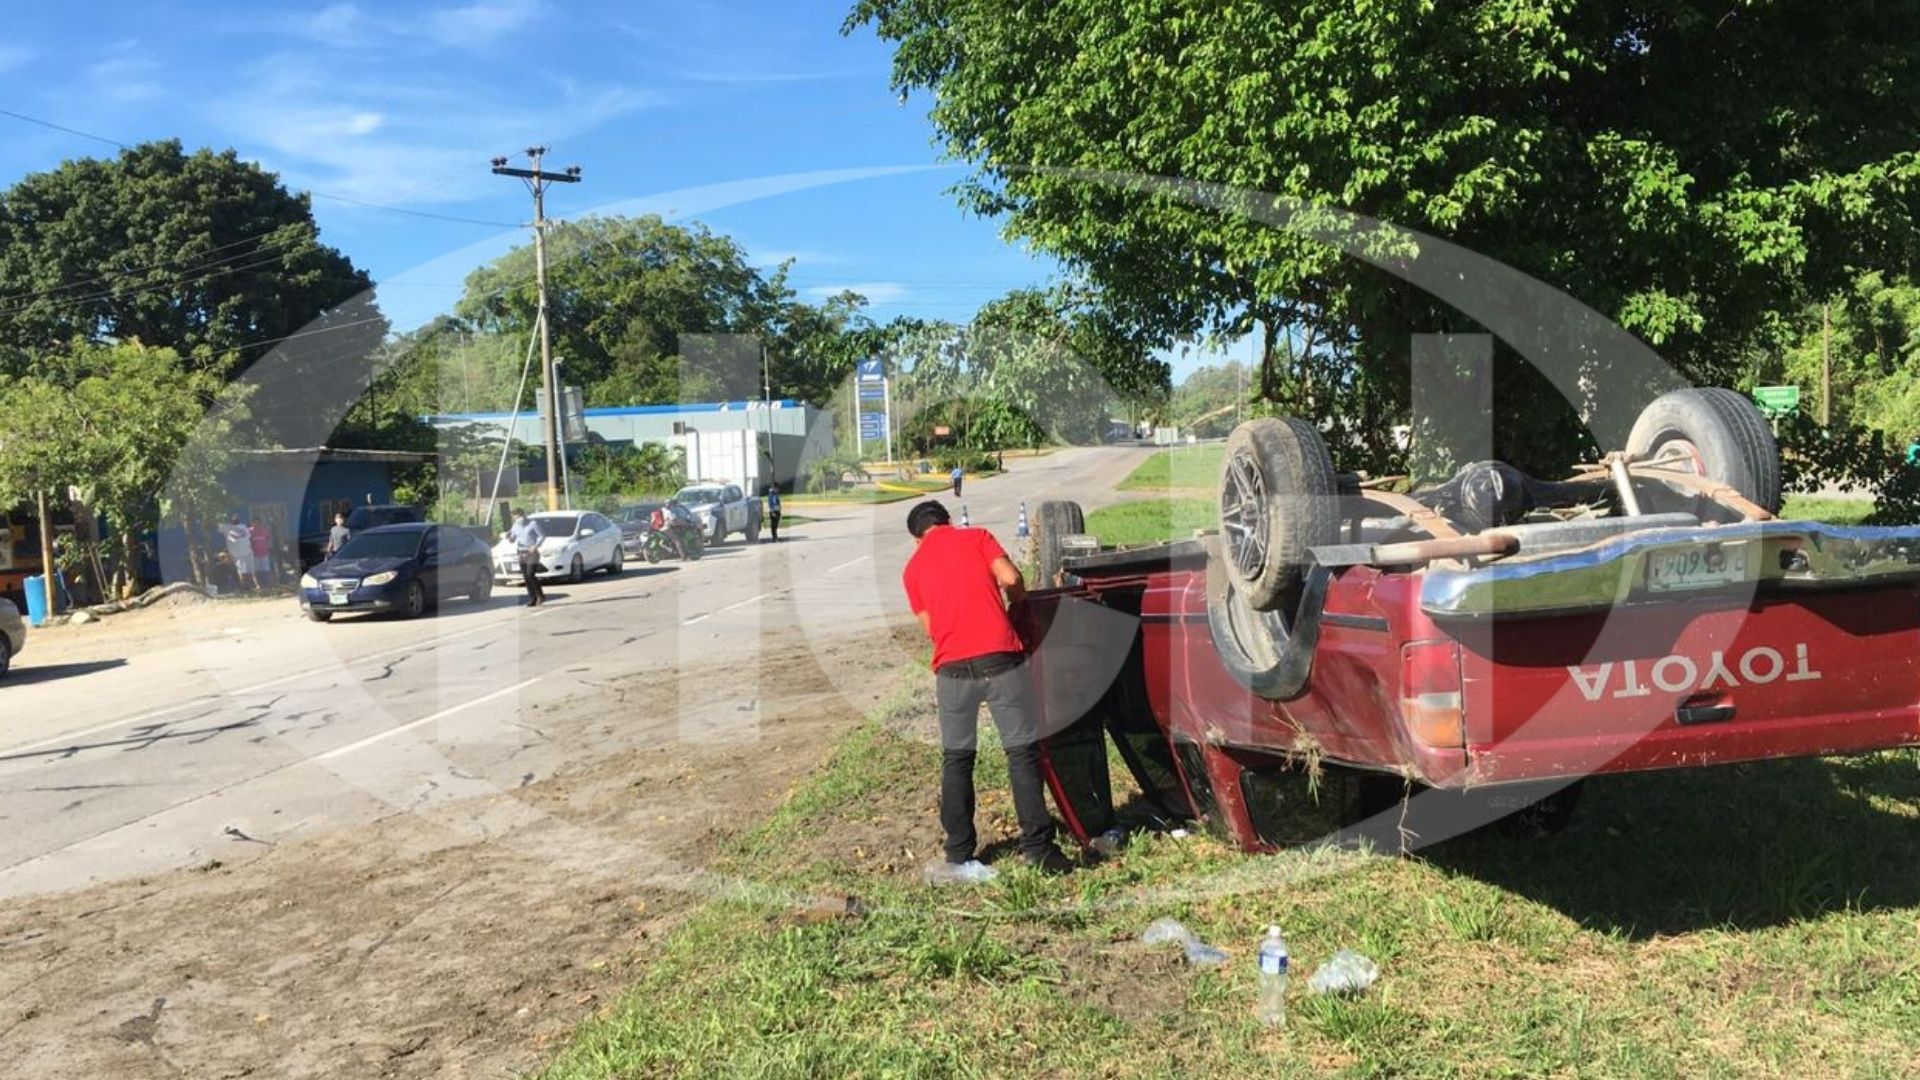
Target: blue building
296,492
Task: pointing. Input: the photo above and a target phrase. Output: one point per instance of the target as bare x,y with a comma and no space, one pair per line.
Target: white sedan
13,634
576,544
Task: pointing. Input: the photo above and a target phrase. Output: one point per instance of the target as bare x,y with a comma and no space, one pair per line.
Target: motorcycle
672,535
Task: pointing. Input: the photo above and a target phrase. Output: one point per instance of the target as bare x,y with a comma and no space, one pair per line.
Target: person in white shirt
239,540
526,536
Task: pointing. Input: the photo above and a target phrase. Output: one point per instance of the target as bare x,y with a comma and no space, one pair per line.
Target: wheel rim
416,599
1677,454
1244,510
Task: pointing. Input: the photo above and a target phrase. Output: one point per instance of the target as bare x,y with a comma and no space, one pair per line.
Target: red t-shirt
950,577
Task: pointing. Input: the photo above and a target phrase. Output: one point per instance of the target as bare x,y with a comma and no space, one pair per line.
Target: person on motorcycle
672,523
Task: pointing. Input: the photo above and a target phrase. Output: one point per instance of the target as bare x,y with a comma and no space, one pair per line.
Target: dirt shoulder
455,942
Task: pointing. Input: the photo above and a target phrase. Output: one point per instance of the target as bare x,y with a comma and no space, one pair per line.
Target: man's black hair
926,516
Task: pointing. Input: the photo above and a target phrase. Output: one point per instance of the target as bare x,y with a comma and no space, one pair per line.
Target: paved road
253,729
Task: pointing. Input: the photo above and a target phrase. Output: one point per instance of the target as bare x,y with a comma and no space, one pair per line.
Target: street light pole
766,415
537,181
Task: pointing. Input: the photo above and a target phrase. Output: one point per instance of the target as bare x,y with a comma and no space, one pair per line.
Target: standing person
262,542
526,537
1913,451
773,511
240,551
338,536
958,474
959,582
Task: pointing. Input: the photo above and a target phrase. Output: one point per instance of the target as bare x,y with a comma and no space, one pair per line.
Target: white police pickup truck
722,509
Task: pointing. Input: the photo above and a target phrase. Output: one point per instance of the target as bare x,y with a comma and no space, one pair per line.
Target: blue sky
687,108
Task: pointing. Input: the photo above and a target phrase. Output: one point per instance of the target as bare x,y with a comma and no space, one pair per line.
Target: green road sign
1777,399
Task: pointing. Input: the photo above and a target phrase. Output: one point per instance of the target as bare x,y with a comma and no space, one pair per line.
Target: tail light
1430,700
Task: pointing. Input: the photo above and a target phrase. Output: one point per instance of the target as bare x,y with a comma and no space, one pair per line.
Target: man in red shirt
959,582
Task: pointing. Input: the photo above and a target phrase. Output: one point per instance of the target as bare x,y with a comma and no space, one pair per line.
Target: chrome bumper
1779,555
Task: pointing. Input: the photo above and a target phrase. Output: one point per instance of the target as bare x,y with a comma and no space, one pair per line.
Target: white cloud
422,141
339,24
775,256
876,292
126,73
479,23
347,24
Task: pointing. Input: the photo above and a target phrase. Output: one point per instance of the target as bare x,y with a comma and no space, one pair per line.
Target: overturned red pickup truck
1490,642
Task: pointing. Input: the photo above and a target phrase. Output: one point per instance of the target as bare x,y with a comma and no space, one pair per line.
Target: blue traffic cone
964,520
1021,529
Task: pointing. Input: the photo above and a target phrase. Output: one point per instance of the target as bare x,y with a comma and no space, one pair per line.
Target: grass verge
1815,508
1179,467
895,491
1743,921
1152,521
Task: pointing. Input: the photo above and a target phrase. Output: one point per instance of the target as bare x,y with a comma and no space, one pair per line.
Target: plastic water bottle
1272,1008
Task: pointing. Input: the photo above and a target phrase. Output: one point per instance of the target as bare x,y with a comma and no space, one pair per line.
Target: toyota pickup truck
1495,639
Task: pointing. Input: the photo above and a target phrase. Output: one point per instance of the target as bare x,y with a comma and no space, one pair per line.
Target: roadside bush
973,461
1853,458
826,473
452,509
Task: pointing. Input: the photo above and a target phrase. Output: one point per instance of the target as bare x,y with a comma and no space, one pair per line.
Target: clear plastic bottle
1272,1008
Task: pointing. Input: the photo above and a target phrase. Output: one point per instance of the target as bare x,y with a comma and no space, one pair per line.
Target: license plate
512,567
338,599
1701,567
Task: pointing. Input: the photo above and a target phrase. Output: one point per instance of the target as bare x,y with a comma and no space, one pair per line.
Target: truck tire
1720,435
1268,652
1279,496
1057,520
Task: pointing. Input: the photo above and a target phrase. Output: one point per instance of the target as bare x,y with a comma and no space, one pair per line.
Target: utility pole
48,593
1826,364
537,181
766,415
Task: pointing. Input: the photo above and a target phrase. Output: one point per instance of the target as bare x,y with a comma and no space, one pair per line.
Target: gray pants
1002,682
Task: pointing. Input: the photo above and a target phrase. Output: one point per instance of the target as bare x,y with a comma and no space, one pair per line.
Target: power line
132,270
212,270
311,191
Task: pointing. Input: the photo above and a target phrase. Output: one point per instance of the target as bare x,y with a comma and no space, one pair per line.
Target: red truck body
1570,663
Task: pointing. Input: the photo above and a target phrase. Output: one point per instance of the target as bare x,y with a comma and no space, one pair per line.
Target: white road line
849,562
696,618
230,695
342,751
749,600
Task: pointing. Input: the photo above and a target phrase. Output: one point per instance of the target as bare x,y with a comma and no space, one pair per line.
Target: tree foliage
200,253
1034,366
131,430
1685,169
627,293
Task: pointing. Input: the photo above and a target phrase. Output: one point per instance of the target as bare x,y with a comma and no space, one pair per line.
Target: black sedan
400,568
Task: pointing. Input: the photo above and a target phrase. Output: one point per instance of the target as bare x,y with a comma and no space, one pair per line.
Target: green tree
133,430
1684,169
1210,399
622,292
200,253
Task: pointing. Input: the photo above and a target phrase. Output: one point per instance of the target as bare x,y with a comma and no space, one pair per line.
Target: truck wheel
1057,520
1278,497
1268,652
1711,432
